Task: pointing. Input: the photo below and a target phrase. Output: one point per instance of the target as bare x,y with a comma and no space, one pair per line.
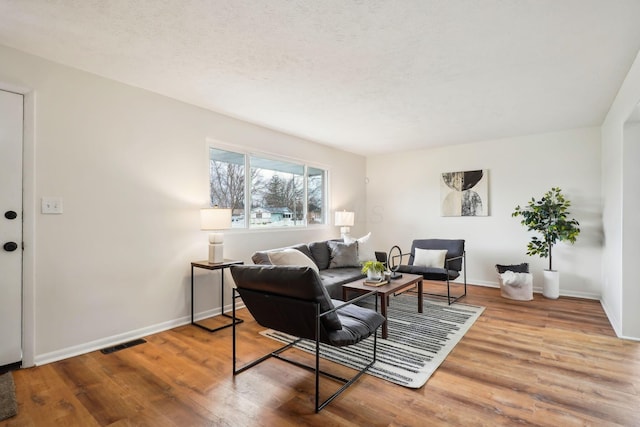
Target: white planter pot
374,275
551,284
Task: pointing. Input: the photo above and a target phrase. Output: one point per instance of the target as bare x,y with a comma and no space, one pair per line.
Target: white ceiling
368,76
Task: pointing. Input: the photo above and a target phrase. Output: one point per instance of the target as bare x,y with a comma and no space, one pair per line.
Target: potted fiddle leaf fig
373,269
549,218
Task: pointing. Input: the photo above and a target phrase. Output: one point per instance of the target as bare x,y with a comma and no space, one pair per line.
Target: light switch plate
52,205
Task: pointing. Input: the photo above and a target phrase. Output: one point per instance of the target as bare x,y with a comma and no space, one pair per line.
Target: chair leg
276,354
349,382
317,373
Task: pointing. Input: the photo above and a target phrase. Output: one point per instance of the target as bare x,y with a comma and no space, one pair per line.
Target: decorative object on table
373,270
549,218
8,402
375,282
464,193
414,349
516,282
394,259
344,220
215,219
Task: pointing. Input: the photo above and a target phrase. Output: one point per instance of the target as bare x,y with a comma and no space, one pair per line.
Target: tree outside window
280,193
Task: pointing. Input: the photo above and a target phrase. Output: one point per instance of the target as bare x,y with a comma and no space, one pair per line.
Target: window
316,184
280,193
227,183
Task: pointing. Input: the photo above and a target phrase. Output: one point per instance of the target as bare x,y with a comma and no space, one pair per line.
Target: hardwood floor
542,362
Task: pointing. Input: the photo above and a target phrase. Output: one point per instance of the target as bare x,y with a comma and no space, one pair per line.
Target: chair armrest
447,260
351,301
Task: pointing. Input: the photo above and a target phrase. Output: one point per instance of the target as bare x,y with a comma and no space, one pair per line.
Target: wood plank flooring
538,363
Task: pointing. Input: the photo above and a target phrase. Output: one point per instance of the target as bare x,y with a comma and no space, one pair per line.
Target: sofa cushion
262,257
343,254
365,247
334,278
320,253
291,257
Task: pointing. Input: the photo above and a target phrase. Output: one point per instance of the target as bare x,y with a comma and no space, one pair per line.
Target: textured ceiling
367,76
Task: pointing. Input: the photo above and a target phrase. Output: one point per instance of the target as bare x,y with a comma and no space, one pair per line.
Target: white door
10,228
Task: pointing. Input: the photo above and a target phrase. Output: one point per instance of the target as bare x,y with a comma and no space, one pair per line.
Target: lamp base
216,253
216,244
345,232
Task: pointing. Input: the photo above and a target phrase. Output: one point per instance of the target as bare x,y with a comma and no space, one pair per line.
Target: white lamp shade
215,219
344,218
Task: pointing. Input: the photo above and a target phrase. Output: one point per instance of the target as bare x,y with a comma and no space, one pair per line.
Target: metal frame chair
455,262
292,300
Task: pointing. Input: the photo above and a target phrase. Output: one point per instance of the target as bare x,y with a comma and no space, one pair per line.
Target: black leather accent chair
292,299
455,261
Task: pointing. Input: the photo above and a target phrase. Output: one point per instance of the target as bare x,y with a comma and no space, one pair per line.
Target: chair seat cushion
429,273
358,323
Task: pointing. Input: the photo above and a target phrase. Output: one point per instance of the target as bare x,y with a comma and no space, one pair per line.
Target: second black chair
454,262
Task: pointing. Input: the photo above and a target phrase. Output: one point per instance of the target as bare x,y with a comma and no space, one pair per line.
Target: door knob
10,246
10,215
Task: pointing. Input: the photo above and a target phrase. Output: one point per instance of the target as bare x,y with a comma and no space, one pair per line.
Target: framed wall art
464,193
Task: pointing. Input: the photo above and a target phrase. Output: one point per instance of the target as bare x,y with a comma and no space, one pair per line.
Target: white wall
403,202
621,204
131,168
631,230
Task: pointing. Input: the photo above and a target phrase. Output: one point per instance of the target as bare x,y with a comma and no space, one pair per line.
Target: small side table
214,266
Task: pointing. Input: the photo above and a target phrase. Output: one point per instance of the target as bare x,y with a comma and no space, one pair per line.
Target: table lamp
215,219
344,220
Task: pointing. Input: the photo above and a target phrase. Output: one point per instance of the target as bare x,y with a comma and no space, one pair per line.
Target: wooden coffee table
394,286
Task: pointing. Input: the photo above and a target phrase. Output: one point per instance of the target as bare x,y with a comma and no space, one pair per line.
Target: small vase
374,275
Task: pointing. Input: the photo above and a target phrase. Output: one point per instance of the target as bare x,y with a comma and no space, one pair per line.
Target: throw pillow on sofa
343,254
365,247
291,257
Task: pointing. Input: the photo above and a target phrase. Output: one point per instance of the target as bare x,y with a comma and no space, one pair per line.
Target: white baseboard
76,350
538,290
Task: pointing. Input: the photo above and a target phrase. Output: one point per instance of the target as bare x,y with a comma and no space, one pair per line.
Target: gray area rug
417,343
8,403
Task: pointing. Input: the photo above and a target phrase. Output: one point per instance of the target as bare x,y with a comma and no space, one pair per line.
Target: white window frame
247,153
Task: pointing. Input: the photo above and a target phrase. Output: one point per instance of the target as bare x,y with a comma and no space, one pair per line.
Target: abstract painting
464,193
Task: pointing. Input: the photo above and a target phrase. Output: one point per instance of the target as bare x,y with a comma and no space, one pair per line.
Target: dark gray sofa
320,254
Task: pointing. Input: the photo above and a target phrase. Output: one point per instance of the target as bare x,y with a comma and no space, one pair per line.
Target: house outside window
278,192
